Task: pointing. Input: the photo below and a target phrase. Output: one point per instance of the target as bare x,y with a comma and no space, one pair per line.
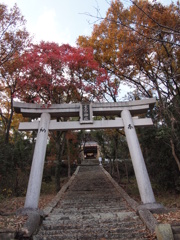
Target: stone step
76,206
86,211
79,225
176,228
105,204
176,236
92,233
176,231
118,216
90,206
91,236
108,224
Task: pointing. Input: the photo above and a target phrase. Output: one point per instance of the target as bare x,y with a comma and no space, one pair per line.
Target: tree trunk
117,168
110,166
117,163
174,154
68,157
9,122
60,149
126,170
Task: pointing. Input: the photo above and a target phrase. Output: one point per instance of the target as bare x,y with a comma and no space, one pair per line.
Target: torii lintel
34,110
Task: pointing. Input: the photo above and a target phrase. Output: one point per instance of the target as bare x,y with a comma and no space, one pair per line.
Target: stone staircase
89,162
91,208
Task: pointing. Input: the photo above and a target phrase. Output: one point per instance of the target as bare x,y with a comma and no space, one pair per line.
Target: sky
61,21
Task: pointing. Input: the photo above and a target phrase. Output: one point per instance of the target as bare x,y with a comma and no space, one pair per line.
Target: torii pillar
35,179
142,177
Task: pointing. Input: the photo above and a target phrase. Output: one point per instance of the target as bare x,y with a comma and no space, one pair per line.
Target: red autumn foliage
57,74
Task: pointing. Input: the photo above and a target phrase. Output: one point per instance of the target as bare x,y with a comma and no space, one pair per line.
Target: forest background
137,46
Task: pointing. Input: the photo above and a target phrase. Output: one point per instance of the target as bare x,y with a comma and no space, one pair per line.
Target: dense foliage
139,46
13,40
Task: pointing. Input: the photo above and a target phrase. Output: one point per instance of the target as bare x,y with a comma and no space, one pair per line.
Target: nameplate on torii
86,113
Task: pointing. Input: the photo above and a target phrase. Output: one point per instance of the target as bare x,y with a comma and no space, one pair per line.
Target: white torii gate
86,111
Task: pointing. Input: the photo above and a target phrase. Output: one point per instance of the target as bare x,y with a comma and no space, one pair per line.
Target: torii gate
86,111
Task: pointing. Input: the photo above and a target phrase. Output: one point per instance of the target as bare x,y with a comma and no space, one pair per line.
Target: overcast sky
61,21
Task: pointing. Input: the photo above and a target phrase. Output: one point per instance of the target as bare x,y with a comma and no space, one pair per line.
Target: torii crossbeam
85,112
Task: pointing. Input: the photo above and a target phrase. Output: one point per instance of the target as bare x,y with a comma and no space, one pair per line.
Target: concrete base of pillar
34,219
25,211
152,207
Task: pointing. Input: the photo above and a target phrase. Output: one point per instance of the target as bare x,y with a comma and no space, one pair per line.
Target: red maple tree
58,74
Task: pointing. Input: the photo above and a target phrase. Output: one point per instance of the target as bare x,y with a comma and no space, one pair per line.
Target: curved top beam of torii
33,110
